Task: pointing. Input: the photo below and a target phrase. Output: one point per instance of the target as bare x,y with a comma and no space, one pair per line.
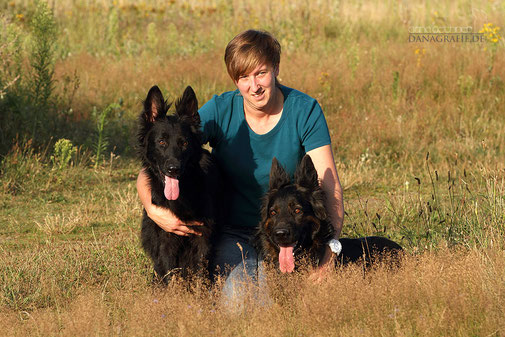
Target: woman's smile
258,88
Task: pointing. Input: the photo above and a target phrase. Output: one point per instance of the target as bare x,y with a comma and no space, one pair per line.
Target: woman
246,128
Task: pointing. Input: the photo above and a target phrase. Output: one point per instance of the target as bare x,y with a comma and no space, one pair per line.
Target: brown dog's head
294,219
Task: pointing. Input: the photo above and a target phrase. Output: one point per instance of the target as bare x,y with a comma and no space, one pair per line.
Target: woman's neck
264,120
273,108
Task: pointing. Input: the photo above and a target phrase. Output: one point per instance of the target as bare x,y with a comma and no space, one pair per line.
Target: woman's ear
276,70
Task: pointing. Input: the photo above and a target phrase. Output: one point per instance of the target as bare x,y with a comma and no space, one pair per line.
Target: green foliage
101,141
152,36
10,57
10,79
354,60
113,41
395,87
171,34
63,152
27,92
466,84
42,48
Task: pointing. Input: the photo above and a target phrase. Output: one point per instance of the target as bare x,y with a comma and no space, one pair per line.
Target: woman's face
258,87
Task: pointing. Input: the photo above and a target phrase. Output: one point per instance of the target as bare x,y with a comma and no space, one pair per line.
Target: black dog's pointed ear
154,105
187,107
318,202
278,176
306,174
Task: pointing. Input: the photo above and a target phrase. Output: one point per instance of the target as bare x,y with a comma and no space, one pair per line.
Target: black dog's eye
185,143
162,142
273,212
298,210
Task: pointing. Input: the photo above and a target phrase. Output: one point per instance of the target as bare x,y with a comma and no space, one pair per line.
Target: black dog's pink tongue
286,259
171,188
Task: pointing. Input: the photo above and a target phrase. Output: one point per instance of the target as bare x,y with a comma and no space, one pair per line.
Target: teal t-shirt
245,156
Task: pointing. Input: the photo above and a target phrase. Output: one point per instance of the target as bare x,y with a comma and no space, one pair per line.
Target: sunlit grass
444,293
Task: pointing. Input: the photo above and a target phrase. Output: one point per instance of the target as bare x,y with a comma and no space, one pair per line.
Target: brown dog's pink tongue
171,188
286,260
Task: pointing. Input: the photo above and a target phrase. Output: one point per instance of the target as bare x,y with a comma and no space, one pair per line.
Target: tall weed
101,142
113,38
42,49
10,79
29,106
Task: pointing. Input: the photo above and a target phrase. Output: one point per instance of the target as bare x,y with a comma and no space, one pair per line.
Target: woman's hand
163,217
169,222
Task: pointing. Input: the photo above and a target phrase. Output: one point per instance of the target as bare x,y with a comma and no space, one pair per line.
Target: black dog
295,223
183,178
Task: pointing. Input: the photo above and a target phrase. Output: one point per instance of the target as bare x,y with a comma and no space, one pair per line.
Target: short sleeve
312,126
208,121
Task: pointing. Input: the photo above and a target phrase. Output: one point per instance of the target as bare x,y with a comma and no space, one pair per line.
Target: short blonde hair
248,50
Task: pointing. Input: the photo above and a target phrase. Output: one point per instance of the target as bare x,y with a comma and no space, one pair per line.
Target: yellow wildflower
419,52
490,32
323,78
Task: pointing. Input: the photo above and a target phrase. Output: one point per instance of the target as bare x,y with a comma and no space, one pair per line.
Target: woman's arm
322,157
163,217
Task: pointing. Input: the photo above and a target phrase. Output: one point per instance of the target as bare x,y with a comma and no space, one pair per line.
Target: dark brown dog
296,225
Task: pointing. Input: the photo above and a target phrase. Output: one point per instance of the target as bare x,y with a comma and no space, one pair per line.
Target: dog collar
335,246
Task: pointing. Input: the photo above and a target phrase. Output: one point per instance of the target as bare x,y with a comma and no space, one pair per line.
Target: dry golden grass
447,293
427,115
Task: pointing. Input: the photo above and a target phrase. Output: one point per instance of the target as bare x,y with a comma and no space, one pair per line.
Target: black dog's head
294,218
169,143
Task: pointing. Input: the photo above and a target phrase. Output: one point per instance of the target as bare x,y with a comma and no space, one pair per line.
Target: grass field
418,136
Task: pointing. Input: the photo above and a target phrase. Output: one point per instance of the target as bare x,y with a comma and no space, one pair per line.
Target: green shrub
101,141
10,78
63,152
42,47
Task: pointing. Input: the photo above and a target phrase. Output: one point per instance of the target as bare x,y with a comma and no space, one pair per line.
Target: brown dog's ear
154,105
306,174
278,176
187,107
